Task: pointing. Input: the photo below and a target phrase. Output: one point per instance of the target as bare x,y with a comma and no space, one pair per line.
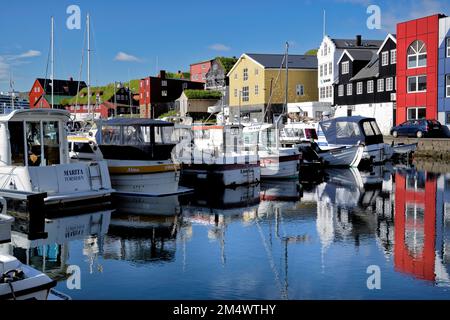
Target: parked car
418,128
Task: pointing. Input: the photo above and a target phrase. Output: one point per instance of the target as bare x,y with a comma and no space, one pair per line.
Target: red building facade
199,70
417,68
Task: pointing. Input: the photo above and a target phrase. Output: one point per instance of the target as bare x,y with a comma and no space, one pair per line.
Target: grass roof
202,94
227,62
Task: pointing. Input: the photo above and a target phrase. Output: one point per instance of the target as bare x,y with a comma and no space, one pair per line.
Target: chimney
358,40
162,74
70,79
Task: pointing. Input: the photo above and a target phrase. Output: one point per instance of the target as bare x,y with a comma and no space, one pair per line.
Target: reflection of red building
415,225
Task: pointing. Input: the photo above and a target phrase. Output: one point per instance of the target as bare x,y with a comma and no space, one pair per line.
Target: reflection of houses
442,269
415,224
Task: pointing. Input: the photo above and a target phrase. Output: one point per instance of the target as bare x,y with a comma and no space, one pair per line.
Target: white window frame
349,89
325,69
370,86
389,84
417,53
163,83
417,83
245,94
345,67
321,70
330,68
385,58
256,89
416,111
341,90
447,86
359,88
380,85
394,56
245,74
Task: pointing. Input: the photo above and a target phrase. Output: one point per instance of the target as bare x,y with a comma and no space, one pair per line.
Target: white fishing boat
137,152
344,156
355,130
276,162
35,158
216,156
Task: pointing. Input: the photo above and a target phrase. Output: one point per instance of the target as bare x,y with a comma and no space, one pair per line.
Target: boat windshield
135,135
34,143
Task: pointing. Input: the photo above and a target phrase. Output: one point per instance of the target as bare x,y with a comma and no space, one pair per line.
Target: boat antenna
52,60
81,73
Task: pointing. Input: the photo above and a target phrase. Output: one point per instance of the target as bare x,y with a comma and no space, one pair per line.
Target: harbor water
318,238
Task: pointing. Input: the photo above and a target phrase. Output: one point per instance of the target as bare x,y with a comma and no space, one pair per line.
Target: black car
418,128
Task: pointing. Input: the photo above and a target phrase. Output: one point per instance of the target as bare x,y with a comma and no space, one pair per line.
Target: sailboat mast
52,63
287,76
89,65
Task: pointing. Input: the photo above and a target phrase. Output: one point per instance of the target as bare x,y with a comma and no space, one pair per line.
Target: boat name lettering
73,175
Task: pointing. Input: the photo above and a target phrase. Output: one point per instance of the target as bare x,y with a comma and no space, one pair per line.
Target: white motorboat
137,152
35,158
350,131
344,156
294,133
216,156
276,162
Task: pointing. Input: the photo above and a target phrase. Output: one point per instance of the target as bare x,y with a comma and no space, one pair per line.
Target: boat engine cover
8,263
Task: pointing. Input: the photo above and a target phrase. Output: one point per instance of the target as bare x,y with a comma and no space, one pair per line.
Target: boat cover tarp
351,130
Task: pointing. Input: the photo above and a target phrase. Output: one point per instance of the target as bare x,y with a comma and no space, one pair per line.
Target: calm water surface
277,240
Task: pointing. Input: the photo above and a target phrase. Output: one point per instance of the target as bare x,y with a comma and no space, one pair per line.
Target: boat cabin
134,139
33,138
223,138
350,131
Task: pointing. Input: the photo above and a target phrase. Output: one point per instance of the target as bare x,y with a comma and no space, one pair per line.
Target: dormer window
393,56
345,67
417,55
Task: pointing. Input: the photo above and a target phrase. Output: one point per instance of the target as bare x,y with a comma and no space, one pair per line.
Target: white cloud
219,47
122,56
29,54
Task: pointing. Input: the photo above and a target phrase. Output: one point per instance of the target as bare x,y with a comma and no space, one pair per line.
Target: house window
321,70
235,76
141,84
385,58
345,67
148,81
148,94
448,47
235,93
447,86
325,49
256,71
394,56
349,89
380,85
318,115
447,118
164,83
203,76
300,90
141,95
164,93
321,93
203,66
329,91
256,89
389,84
417,84
359,88
370,86
330,68
417,55
325,69
245,96
341,90
245,74
416,113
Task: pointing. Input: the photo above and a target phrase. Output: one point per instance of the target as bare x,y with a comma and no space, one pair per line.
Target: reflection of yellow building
256,77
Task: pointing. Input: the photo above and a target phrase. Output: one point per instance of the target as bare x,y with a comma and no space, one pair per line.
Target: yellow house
259,79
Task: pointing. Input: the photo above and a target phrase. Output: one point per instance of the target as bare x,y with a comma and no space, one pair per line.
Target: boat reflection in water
143,229
50,253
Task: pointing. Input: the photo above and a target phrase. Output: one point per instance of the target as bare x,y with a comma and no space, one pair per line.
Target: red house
157,95
199,70
40,93
417,68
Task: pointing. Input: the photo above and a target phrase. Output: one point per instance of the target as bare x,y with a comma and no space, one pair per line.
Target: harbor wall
427,148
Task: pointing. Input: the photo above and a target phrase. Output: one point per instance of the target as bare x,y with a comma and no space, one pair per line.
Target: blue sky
134,38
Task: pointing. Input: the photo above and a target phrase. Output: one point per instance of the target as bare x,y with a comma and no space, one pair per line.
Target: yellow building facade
255,81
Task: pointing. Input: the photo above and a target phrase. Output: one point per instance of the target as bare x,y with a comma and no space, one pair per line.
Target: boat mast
11,89
52,62
287,78
89,65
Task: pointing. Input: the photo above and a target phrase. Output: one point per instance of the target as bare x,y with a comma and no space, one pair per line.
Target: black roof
369,71
296,61
362,55
351,44
135,122
62,87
